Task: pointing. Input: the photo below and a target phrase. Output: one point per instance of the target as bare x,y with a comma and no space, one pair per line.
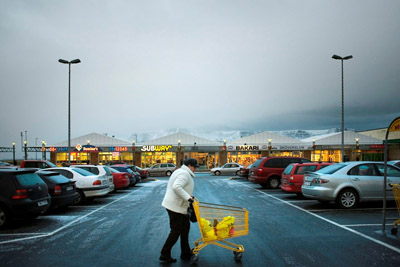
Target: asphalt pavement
129,227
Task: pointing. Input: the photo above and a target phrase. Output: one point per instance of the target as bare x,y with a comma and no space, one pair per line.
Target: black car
61,189
132,176
23,194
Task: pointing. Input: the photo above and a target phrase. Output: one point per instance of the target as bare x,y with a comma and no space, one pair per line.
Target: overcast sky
218,65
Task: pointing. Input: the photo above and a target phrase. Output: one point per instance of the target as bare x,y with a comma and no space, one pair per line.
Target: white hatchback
99,170
88,185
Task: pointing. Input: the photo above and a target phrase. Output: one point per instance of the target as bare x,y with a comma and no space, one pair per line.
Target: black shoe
167,259
187,256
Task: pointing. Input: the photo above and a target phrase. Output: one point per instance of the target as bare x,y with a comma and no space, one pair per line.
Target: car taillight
57,190
97,182
259,171
20,194
319,181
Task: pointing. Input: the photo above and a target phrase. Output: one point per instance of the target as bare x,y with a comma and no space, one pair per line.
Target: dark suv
267,171
22,194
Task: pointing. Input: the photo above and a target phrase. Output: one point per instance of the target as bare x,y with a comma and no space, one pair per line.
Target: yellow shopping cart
396,193
218,223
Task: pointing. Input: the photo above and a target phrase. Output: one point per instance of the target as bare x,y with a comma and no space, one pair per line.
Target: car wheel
347,198
4,217
81,197
274,182
168,173
217,173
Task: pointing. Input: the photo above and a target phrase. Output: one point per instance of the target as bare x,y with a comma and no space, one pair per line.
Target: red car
244,171
267,171
293,175
121,179
143,173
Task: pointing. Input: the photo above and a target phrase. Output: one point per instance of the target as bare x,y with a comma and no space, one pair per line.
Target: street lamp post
342,59
75,61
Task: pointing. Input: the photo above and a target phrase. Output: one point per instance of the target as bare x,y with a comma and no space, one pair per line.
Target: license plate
69,188
42,203
307,183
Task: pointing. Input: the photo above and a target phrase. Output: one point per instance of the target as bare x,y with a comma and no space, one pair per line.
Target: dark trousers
180,226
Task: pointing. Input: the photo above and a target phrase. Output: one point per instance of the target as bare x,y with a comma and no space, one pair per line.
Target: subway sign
156,148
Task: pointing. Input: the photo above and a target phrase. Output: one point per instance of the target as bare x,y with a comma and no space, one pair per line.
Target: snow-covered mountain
219,136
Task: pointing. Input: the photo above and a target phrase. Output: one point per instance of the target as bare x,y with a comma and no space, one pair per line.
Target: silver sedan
227,168
349,183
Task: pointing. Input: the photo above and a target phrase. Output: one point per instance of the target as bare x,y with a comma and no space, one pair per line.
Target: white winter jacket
179,190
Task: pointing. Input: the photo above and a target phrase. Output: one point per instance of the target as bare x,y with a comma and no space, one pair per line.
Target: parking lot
129,227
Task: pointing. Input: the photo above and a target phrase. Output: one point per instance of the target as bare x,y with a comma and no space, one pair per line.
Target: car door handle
356,179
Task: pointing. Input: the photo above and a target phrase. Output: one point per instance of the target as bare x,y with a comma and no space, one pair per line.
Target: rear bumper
25,207
60,201
121,183
258,180
95,191
291,187
318,192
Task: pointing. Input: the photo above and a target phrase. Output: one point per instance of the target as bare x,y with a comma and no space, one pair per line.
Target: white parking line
65,226
365,225
332,222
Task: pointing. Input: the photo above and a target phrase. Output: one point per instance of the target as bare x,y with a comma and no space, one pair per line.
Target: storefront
153,154
175,148
93,149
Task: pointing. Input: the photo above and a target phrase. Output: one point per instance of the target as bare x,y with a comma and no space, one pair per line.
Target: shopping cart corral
218,223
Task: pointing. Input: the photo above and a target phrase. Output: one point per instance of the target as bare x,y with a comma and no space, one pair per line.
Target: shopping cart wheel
394,231
237,255
194,259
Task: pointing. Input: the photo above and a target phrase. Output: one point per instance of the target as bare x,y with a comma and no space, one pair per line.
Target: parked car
131,174
41,164
293,175
267,171
161,169
143,173
349,183
88,185
133,169
23,194
226,169
121,179
244,171
61,189
99,170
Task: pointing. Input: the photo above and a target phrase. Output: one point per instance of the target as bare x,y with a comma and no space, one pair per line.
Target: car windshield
114,170
332,168
51,164
57,178
256,163
82,172
27,179
288,169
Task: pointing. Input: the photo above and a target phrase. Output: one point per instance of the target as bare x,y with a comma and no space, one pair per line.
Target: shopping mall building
97,148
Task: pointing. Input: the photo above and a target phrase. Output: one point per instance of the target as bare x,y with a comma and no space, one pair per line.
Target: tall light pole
342,59
75,61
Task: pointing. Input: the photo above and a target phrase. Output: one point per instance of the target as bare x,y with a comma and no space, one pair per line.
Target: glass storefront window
206,160
243,158
106,158
151,158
